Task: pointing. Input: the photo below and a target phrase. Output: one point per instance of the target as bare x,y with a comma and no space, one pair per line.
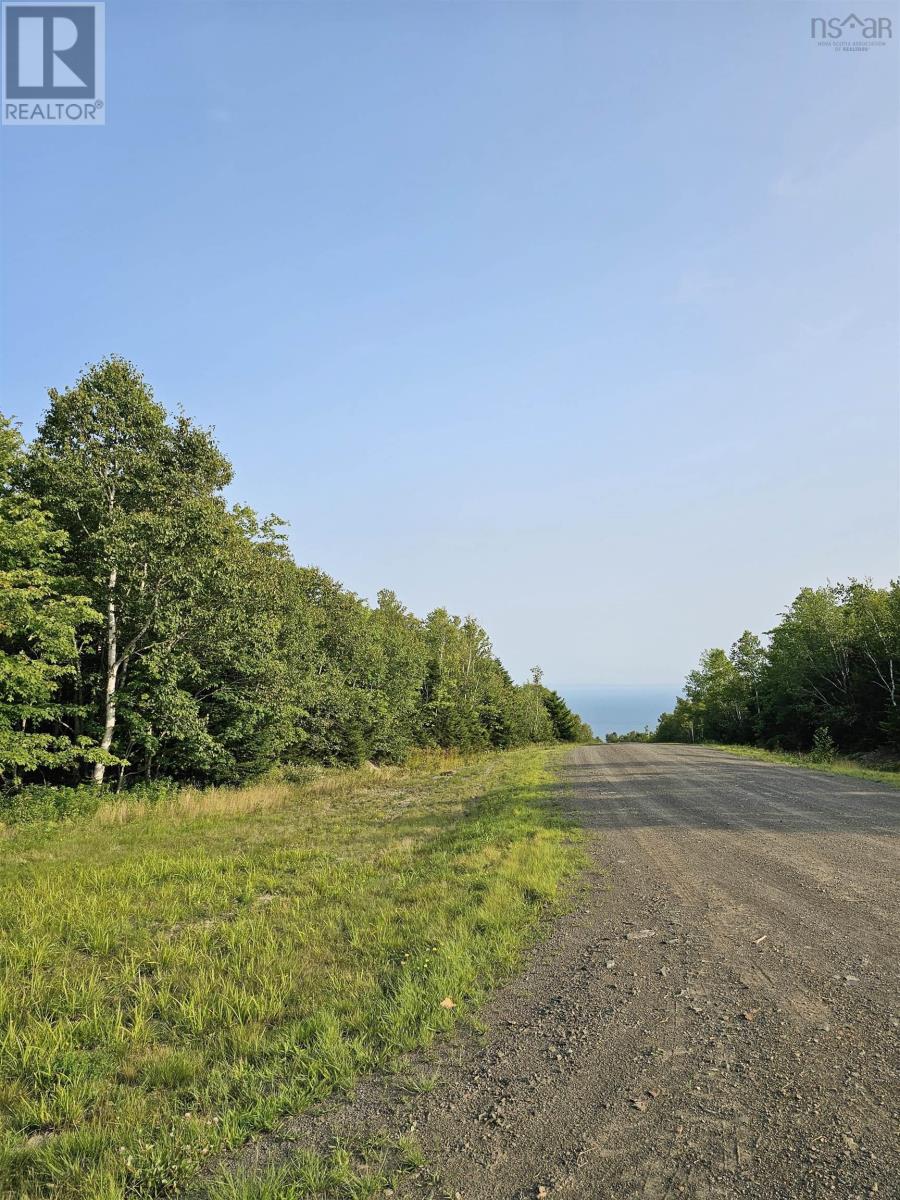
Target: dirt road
717,1017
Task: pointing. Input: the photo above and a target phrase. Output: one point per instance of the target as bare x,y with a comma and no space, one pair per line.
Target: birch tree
138,498
40,628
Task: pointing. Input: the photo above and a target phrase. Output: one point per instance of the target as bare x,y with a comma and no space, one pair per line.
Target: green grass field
175,979
837,766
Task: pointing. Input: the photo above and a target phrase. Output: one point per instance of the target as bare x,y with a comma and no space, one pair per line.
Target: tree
831,670
210,697
678,725
335,660
200,650
749,659
809,681
400,665
565,724
874,617
453,689
137,497
716,696
41,625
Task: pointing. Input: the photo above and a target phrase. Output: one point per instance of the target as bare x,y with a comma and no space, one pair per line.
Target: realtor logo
54,64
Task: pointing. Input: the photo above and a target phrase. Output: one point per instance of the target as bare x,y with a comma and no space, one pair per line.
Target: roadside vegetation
634,735
824,685
151,633
178,973
257,835
817,761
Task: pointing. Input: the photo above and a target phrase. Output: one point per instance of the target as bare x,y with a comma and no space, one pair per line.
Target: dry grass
194,802
349,785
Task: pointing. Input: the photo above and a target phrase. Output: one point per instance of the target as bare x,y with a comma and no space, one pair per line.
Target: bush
823,747
41,803
147,791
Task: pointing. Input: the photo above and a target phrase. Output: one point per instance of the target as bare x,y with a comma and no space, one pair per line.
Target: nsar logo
836,29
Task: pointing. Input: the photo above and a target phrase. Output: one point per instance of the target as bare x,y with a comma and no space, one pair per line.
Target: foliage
137,497
823,747
150,631
635,735
567,726
53,802
828,679
41,620
179,974
886,772
41,802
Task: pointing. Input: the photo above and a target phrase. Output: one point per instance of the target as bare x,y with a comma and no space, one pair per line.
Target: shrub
39,802
823,747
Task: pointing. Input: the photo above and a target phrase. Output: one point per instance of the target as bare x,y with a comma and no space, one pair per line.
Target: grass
351,1172
177,977
836,766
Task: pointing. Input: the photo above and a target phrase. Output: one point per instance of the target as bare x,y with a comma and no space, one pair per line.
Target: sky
582,318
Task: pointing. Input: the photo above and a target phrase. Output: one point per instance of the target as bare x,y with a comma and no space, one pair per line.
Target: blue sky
579,317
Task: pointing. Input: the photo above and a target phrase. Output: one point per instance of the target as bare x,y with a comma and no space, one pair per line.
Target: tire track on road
714,1019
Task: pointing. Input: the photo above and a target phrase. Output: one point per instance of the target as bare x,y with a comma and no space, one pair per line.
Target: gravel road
715,1017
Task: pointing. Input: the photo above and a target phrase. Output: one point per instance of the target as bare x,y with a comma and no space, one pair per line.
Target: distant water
620,708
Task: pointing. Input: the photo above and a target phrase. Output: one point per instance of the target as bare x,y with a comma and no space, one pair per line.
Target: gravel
715,1016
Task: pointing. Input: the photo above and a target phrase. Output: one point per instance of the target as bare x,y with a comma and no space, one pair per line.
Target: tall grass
191,802
834,766
177,975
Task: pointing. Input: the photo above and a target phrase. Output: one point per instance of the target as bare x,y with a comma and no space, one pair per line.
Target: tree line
828,675
148,630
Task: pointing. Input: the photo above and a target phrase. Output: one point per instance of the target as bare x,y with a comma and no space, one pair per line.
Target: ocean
619,708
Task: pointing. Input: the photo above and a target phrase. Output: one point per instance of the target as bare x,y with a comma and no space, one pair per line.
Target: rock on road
715,1017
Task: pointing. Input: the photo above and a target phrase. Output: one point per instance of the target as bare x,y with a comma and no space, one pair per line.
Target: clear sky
579,317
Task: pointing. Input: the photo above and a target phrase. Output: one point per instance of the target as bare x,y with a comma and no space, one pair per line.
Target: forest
150,631
826,679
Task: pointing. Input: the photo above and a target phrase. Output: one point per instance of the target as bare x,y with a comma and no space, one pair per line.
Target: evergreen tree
146,626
